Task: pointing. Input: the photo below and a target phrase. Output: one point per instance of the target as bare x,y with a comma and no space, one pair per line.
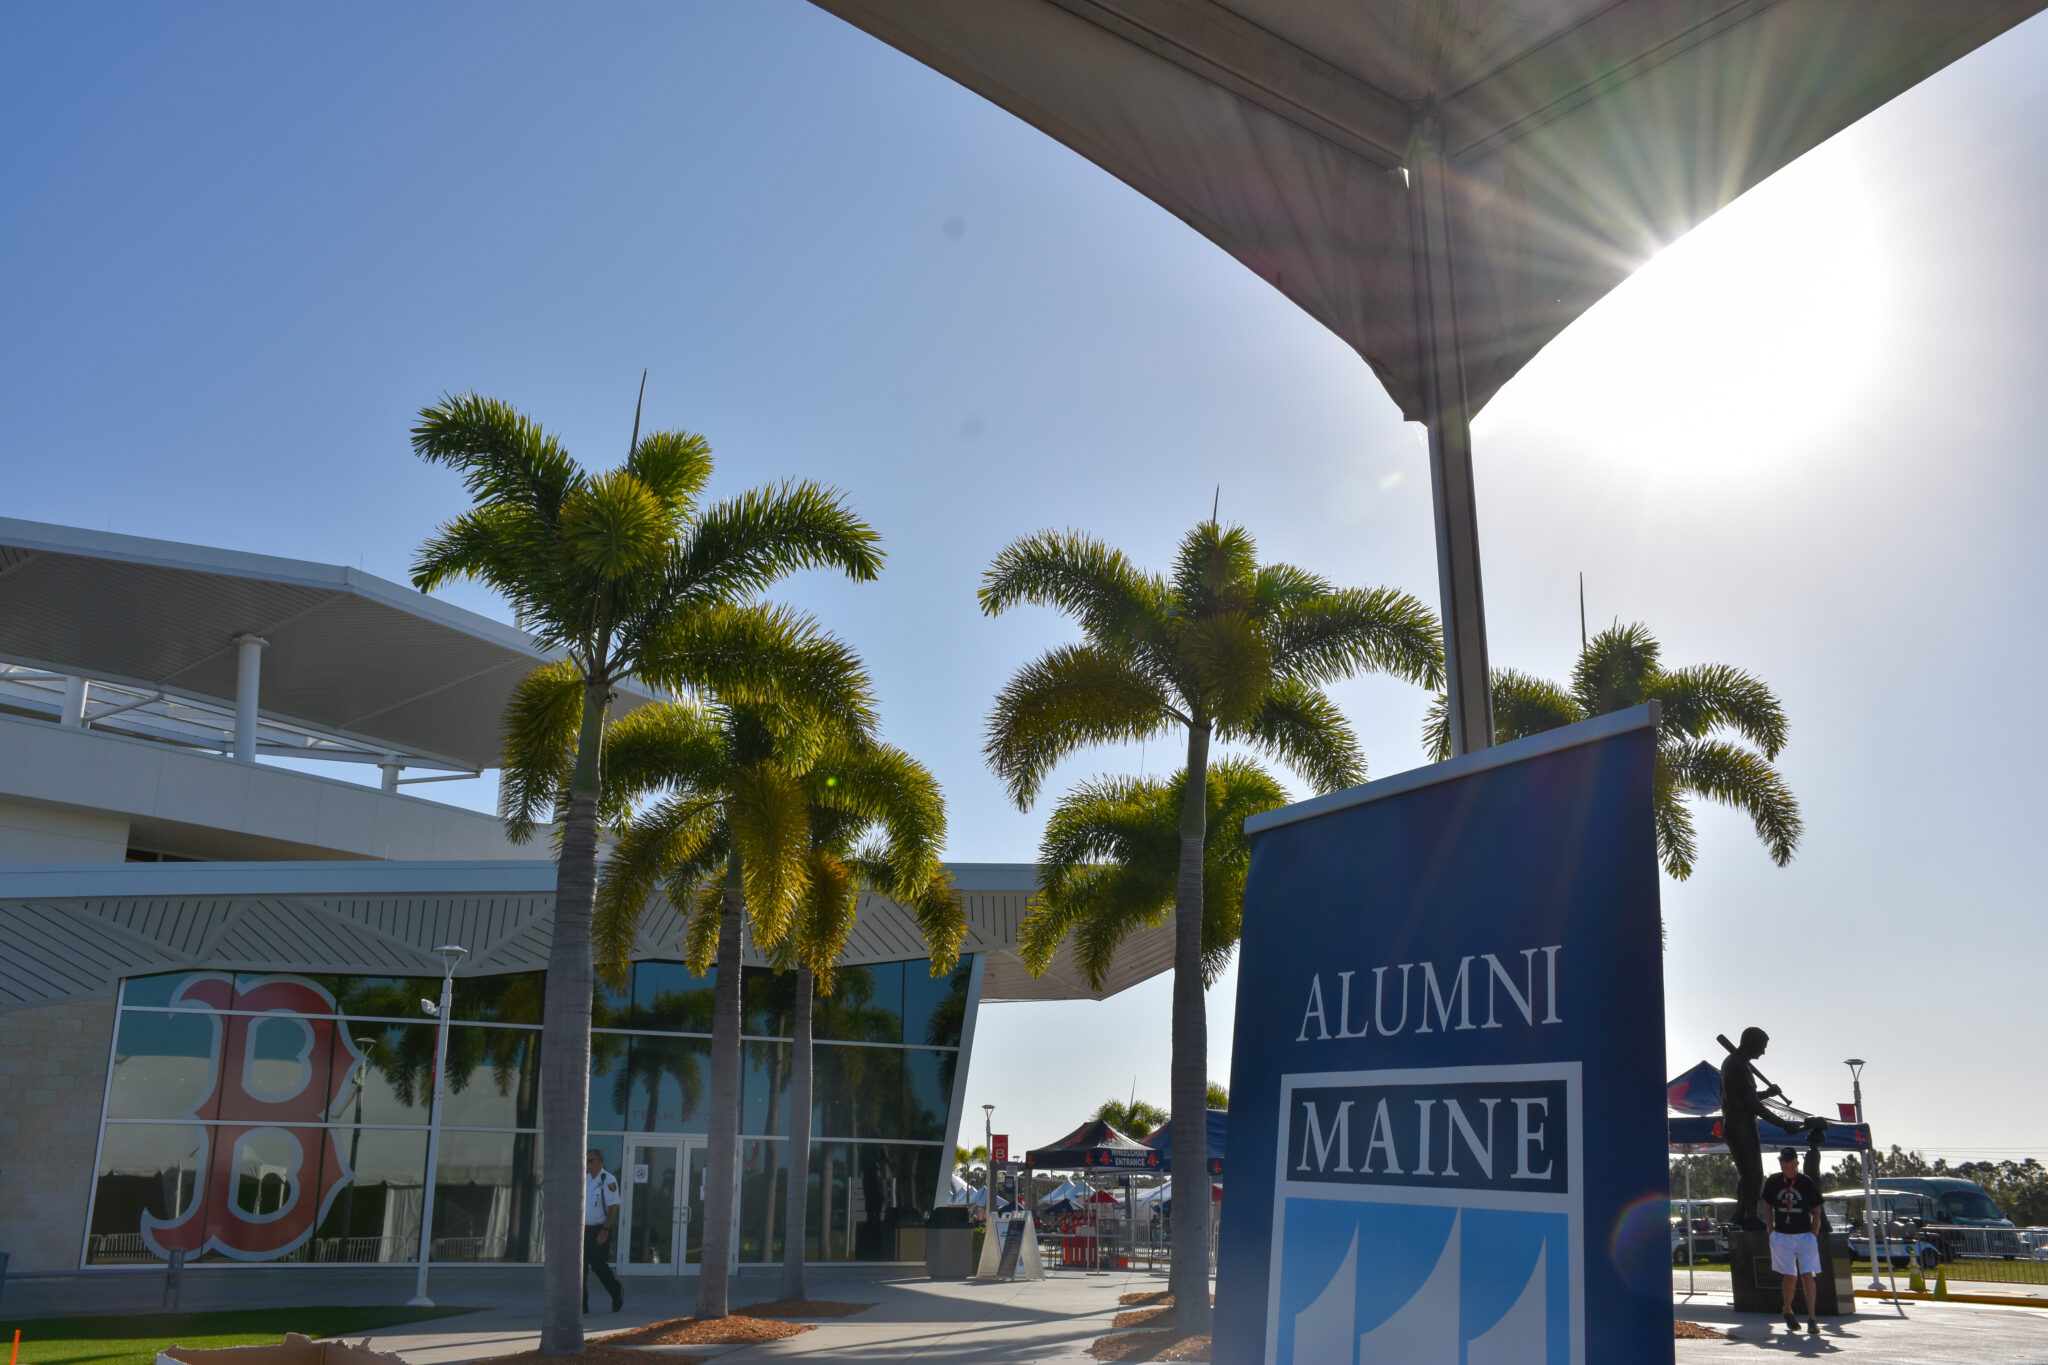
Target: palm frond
744,544
1352,630
1070,698
881,786
663,745
674,835
1677,841
1615,669
674,465
770,828
1110,858
704,897
506,547
1215,569
541,726
1736,777
1524,705
614,527
1081,576
1297,724
763,656
1696,701
1436,729
1228,661
503,457
1280,588
941,914
823,919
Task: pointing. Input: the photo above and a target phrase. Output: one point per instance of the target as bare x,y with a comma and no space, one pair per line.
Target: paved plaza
932,1322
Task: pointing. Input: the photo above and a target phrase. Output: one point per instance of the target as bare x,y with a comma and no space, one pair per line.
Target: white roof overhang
349,654
1578,136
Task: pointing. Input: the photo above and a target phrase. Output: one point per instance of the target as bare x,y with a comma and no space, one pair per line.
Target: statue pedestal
1759,1289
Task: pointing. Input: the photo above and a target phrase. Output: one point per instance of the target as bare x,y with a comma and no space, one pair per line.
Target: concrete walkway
930,1322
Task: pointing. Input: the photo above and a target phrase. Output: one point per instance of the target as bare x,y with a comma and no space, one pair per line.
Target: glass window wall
267,1117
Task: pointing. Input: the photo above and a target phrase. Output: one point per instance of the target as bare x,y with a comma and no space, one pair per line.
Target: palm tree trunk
1189,1279
565,1044
797,1176
721,1165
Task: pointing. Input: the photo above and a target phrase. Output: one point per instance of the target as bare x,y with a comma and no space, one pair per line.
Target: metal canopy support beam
1449,418
248,683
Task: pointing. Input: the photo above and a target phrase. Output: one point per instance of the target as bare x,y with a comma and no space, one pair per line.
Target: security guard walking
600,1228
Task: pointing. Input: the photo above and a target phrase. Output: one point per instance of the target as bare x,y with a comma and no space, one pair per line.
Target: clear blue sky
241,245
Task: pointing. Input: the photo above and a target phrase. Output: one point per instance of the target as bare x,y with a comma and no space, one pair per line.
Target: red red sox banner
269,1171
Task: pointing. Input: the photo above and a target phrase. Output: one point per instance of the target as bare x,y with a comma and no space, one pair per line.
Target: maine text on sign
1475,1136
1476,1168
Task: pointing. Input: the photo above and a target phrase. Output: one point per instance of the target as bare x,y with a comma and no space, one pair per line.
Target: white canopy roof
349,654
1578,136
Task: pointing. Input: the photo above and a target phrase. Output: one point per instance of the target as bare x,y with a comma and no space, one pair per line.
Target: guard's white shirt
600,1194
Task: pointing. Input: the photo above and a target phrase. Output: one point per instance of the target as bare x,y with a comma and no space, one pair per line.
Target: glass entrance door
662,1205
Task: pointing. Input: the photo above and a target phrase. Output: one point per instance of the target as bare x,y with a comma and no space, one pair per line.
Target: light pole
1855,1065
988,1164
451,954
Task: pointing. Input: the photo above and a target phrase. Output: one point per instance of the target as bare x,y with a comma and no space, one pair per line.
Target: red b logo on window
267,1171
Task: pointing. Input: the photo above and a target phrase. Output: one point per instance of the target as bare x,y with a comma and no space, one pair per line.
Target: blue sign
1447,1082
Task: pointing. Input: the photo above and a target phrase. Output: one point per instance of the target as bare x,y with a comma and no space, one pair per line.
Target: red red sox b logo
267,1173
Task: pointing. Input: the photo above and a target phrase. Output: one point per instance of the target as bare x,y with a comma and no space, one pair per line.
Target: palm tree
623,574
730,842
878,824
1134,1118
1620,668
1226,650
1219,1095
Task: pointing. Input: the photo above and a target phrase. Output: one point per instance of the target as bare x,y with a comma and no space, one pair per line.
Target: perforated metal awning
349,654
72,932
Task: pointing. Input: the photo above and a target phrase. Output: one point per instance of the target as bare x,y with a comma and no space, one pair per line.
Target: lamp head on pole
1855,1065
452,954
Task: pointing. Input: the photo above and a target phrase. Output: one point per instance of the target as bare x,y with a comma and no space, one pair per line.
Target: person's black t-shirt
1792,1202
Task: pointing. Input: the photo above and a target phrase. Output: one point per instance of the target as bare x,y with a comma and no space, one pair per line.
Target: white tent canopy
1445,184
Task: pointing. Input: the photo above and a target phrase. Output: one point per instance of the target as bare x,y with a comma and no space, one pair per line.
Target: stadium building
218,957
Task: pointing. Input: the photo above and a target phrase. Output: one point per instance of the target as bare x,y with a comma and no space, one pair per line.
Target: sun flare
1733,350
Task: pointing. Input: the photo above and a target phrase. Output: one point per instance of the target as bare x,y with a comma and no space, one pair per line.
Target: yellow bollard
1915,1281
1941,1282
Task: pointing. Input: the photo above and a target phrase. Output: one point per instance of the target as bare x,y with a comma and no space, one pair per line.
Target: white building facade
214,955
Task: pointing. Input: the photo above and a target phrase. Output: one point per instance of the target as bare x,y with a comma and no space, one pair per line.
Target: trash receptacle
949,1242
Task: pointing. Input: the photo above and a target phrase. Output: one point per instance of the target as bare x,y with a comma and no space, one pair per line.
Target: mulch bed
594,1353
737,1330
804,1308
1167,1345
1693,1331
1160,1315
1164,1296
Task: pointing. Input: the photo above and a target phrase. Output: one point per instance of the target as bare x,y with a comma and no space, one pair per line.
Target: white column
1447,413
72,712
248,683
391,769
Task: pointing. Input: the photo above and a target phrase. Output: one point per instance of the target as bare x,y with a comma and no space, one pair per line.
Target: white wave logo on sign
1429,1217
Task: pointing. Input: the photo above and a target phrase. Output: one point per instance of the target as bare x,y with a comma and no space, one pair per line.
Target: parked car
1708,1241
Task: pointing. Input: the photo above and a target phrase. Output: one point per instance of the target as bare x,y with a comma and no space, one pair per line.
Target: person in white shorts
1795,1252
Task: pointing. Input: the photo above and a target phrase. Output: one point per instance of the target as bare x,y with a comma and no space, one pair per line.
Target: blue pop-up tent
1162,1141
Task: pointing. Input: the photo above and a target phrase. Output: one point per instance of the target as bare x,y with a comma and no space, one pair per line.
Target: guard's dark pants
598,1256
1740,1133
